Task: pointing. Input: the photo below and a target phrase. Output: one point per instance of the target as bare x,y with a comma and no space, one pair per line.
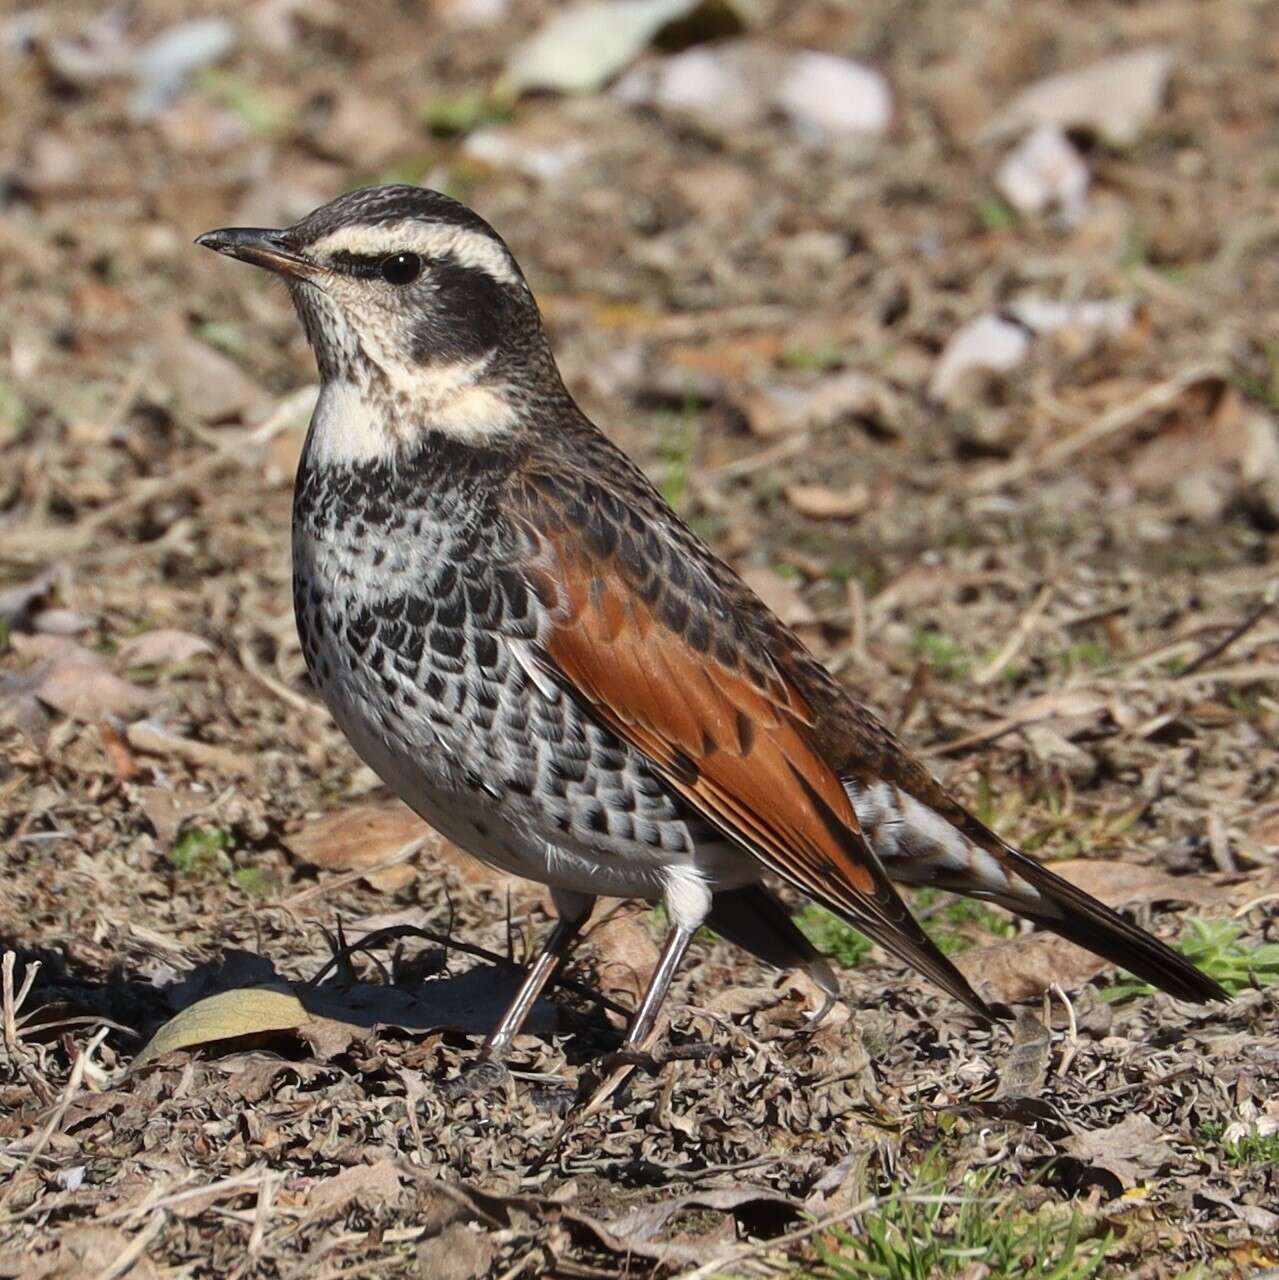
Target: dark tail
1078,916
751,918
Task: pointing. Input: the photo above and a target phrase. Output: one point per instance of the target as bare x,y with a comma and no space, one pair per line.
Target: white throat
357,422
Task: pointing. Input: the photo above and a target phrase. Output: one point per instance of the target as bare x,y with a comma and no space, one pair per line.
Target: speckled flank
414,616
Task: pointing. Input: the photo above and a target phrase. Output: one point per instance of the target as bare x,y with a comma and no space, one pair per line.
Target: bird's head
412,304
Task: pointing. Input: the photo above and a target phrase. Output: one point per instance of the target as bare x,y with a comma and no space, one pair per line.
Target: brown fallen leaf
1116,98
330,1018
124,766
228,1015
56,651
782,595
152,740
89,694
1213,444
1026,1067
207,385
163,647
1121,884
1266,832
390,879
456,1253
1130,1150
728,358
775,410
625,953
363,838
88,1251
823,503
1024,968
369,1185
280,462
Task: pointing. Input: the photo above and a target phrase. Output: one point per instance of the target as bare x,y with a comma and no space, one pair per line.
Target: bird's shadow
66,997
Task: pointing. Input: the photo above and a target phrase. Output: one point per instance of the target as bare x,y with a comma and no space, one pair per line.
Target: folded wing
654,644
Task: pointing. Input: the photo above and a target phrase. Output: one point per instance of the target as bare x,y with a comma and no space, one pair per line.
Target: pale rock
1044,316
827,96
543,147
989,344
579,49
734,85
718,85
164,64
1116,98
1043,172
207,385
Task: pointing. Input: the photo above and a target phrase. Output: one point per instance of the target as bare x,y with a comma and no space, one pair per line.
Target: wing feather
733,738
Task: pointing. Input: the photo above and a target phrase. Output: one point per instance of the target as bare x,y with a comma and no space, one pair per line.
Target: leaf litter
1053,575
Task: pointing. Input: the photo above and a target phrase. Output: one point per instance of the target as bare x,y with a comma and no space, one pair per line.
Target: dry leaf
1130,1150
228,1015
457,1253
781,595
390,879
83,1251
1116,98
89,694
1213,444
56,651
357,839
821,503
1026,1067
162,647
372,1186
626,954
329,1018
1266,832
1025,967
154,740
774,410
1122,884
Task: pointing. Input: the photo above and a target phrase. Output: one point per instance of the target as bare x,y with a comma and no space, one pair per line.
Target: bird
519,635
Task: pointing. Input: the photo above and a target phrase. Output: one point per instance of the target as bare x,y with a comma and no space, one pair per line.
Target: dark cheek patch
460,316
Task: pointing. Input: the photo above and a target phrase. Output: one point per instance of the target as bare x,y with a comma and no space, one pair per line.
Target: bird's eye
401,268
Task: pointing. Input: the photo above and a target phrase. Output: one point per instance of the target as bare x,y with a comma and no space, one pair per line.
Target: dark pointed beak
262,248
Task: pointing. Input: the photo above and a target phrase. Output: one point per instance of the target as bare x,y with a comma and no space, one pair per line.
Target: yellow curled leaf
228,1015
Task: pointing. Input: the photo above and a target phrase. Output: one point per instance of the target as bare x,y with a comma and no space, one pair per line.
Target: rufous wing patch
737,746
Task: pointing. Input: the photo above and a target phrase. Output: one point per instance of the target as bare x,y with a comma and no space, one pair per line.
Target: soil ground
1056,584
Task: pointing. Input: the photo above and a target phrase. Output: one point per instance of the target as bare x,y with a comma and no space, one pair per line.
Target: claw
479,1078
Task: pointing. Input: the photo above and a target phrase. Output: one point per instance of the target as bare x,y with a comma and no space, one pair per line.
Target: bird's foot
653,1060
479,1078
606,1072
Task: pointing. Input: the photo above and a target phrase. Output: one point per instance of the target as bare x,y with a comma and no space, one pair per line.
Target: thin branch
1021,633
1215,651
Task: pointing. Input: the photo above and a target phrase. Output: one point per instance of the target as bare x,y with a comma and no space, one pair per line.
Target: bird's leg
645,1016
604,1076
487,1072
688,902
548,959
